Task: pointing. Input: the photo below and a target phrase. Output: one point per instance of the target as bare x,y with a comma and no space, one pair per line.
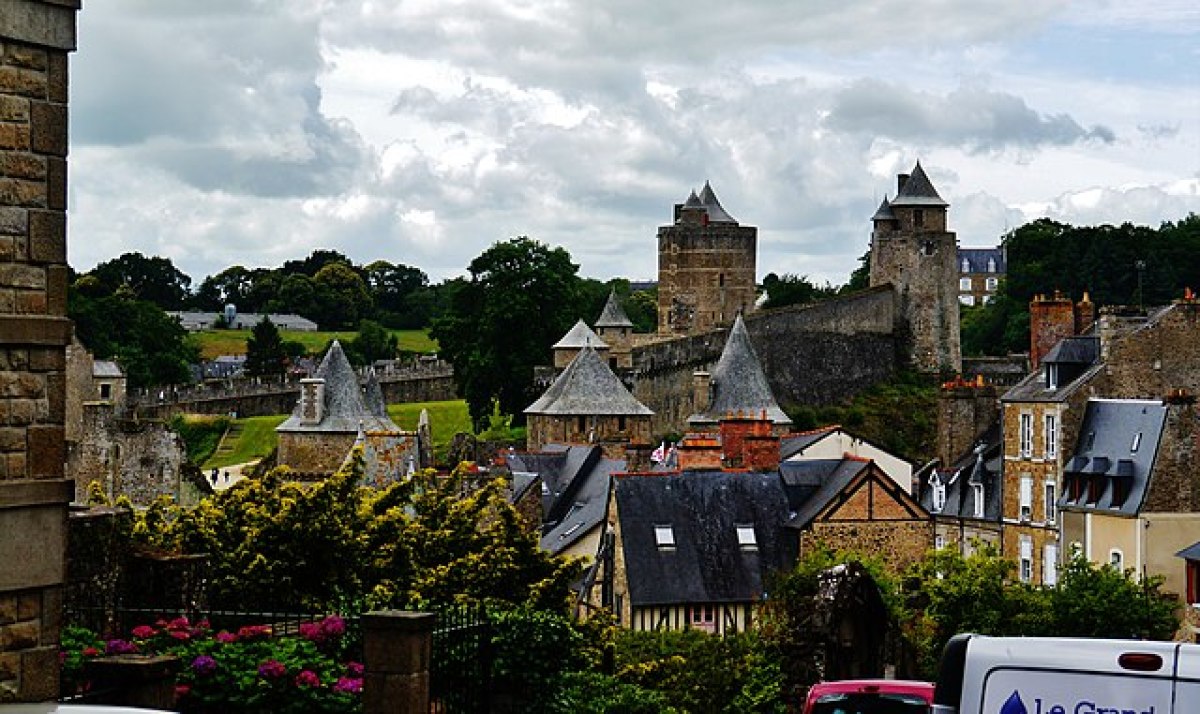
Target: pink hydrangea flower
349,685
225,637
143,632
308,678
355,669
271,669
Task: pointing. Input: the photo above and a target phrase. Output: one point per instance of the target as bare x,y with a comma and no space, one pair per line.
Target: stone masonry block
56,289
56,183
29,606
20,412
16,466
14,109
8,250
52,615
21,165
8,609
47,359
14,359
39,679
10,665
19,636
14,137
47,237
21,192
12,439
23,82
14,221
47,451
22,385
30,302
56,397
56,77
26,56
49,128
15,275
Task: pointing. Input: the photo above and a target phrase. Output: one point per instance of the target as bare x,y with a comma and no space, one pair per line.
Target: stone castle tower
913,252
706,267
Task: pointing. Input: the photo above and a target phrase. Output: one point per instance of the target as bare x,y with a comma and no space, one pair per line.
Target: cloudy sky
422,131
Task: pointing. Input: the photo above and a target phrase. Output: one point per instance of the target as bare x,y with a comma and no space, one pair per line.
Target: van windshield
870,703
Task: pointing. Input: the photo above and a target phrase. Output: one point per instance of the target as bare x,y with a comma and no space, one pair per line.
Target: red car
870,696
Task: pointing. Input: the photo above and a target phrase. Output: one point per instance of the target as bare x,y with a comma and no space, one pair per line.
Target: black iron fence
460,676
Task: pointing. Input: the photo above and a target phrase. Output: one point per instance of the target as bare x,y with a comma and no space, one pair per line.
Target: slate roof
918,191
977,260
836,475
703,508
739,383
373,396
981,465
578,337
1104,448
884,212
1074,371
588,386
716,212
1192,552
106,369
575,500
613,315
345,409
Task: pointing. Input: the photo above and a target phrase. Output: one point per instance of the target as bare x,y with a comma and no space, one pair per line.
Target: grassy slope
213,343
258,433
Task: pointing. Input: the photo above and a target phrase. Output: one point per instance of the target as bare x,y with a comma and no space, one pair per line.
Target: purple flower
119,647
354,669
204,665
271,669
308,678
348,685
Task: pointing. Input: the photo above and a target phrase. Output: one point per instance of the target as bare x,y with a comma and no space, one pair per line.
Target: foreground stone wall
899,544
35,37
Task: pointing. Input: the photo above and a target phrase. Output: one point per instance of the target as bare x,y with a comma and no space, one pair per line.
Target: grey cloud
974,119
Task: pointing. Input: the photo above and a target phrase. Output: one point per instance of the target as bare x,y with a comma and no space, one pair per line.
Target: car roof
885,686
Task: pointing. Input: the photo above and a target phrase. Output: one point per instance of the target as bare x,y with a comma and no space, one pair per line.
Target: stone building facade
35,37
706,267
912,251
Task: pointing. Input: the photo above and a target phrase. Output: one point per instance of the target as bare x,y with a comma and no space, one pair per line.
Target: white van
1034,675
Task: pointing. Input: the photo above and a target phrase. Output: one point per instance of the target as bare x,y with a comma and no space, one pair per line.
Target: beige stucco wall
1106,533
839,443
1165,534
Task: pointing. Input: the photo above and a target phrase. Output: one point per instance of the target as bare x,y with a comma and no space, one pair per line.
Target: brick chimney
747,439
1085,314
637,457
699,452
1050,320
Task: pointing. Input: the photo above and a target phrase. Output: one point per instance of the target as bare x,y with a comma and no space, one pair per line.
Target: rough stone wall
35,37
79,387
1175,484
899,544
604,430
1156,358
965,412
706,274
141,460
314,452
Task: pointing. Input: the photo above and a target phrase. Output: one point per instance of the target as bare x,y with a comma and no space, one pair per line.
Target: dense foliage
1046,256
265,353
276,545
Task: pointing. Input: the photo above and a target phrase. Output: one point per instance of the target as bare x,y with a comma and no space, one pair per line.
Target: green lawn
214,343
258,438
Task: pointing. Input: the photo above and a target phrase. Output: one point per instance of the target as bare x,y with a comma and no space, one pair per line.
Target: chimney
312,401
738,431
1085,314
701,391
901,179
637,457
1050,320
699,452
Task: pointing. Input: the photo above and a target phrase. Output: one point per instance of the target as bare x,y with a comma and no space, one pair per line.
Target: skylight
746,538
664,536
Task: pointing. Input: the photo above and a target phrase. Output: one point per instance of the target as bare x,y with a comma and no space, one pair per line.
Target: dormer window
746,537
938,492
977,490
664,537
991,265
1051,375
966,266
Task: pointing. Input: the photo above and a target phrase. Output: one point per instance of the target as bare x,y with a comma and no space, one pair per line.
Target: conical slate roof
739,384
345,410
693,201
613,315
918,191
373,396
588,386
579,337
884,212
716,212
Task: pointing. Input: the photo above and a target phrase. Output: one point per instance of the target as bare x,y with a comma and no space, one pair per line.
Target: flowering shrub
246,671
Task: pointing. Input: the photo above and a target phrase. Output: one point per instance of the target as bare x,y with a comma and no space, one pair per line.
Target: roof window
1137,441
746,537
664,537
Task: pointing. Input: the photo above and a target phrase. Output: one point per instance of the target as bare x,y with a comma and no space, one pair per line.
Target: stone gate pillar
35,37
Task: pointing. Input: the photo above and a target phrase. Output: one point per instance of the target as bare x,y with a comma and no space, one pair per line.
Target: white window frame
964,284
968,300
1025,570
977,491
746,537
1025,496
1050,506
964,266
939,541
664,536
1137,442
1050,435
991,283
1025,434
1050,564
1116,558
991,265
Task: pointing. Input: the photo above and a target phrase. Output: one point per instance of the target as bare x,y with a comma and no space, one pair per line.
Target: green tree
391,285
1101,601
229,286
342,296
153,279
372,343
521,297
794,290
265,353
150,345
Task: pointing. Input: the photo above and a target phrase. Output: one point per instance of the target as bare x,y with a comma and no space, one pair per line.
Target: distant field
257,437
214,343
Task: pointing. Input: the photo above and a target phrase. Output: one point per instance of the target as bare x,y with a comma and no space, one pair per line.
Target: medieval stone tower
706,267
913,252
